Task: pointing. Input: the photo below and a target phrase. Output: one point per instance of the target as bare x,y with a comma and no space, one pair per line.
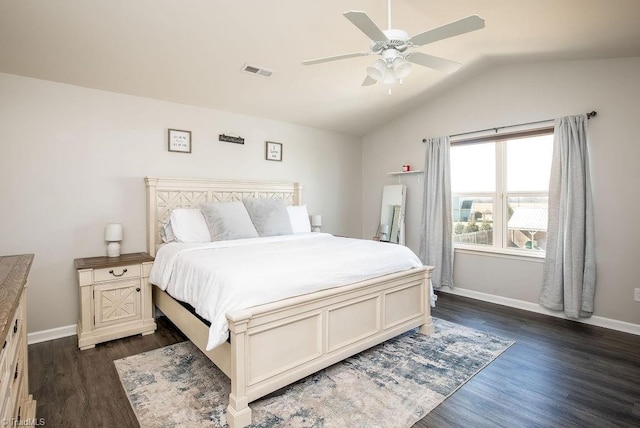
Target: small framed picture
273,151
179,141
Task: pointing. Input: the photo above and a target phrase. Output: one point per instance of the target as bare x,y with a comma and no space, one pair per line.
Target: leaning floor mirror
391,227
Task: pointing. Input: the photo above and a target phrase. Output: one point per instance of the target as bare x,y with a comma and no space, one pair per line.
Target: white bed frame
276,344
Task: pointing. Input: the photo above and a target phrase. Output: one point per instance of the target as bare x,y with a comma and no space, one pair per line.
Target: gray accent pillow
269,216
166,232
228,220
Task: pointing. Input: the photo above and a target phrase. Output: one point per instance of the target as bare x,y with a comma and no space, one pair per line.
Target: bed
274,344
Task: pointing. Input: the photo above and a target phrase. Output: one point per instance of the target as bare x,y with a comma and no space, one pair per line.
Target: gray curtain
569,278
436,239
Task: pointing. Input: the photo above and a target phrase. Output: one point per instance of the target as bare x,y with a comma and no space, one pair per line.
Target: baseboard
54,333
60,332
623,326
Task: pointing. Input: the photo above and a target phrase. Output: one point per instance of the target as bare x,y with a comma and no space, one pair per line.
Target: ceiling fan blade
464,25
334,58
433,62
368,81
366,25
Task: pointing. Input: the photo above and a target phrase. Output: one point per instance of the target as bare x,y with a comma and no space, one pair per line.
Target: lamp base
113,249
315,228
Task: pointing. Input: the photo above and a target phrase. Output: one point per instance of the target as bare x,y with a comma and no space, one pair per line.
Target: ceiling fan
392,45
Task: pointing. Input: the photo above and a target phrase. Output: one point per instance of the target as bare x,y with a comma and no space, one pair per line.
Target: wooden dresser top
14,271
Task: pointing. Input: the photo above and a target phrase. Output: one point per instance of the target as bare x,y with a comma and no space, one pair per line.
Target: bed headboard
165,194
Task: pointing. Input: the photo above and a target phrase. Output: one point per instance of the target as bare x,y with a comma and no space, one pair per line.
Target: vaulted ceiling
192,51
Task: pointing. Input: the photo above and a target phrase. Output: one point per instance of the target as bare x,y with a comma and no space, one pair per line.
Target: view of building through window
500,192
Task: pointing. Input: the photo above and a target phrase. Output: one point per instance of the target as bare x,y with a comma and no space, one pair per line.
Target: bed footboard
279,343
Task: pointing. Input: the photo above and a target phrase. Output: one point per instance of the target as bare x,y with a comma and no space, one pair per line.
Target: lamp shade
401,68
316,220
113,232
389,78
377,69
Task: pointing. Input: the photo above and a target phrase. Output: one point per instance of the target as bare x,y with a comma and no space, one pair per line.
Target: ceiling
192,51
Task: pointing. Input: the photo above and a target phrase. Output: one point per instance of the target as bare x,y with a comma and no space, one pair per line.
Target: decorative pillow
299,218
228,220
166,232
269,216
188,225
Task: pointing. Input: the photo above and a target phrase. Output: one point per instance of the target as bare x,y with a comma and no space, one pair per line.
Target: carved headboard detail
165,194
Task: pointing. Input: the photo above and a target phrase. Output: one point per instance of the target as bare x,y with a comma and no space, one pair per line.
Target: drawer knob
115,274
138,289
15,327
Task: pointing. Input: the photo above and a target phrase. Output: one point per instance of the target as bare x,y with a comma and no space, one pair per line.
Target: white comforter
218,277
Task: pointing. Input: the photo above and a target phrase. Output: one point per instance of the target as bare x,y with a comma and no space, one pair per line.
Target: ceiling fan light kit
391,67
391,45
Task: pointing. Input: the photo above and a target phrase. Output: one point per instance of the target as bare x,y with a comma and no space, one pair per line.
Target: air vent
256,70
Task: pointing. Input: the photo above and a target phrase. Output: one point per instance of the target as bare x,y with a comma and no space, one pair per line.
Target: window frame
501,195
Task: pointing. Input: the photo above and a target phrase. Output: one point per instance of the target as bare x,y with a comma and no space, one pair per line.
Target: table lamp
113,235
316,223
384,232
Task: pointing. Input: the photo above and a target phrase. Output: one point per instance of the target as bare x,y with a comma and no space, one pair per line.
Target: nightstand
115,298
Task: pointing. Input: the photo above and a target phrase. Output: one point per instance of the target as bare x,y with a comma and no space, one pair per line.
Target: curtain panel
569,278
436,238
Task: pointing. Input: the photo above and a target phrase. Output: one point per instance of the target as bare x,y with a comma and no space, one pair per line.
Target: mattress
218,277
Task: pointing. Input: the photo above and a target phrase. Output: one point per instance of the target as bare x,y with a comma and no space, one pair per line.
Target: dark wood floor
559,374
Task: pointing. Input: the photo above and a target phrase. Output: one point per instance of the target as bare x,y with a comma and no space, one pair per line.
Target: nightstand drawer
116,272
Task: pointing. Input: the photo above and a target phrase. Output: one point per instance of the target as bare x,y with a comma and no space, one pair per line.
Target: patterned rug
394,384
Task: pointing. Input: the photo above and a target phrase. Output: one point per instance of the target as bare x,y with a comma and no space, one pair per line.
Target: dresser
115,298
17,406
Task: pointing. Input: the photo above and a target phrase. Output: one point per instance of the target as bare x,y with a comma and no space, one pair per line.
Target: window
500,189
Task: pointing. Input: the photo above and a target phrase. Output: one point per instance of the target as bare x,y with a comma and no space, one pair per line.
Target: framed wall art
273,151
179,141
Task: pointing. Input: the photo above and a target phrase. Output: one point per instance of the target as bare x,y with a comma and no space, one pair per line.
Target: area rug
394,384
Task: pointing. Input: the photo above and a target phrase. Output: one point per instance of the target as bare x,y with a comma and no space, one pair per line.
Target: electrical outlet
636,295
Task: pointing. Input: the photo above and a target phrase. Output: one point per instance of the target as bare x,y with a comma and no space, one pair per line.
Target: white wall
73,159
511,94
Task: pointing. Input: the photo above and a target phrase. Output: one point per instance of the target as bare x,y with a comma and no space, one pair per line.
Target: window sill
501,253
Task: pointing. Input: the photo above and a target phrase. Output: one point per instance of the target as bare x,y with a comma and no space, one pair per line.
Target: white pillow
299,217
189,225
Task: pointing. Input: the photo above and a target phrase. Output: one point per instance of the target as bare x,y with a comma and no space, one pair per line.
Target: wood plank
559,373
81,388
105,262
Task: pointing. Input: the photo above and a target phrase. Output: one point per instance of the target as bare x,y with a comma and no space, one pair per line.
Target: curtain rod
589,116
